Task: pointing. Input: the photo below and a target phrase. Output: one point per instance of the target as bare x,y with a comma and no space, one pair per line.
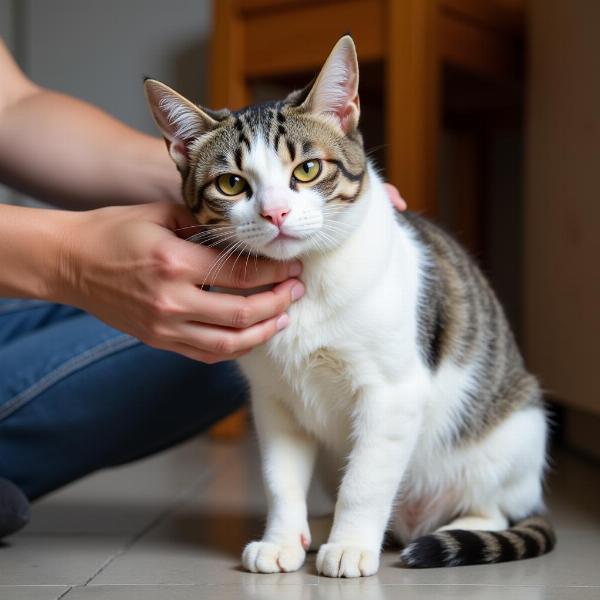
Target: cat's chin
286,249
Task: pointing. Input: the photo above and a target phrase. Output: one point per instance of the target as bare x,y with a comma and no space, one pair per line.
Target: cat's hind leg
501,484
494,521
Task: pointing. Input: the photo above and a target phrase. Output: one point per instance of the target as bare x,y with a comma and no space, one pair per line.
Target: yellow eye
230,184
307,171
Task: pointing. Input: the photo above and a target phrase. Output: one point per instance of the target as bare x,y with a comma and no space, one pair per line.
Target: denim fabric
77,395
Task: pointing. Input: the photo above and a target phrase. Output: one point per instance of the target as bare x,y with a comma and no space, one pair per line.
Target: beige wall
562,221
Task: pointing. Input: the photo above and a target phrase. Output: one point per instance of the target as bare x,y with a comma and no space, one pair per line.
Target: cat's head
280,179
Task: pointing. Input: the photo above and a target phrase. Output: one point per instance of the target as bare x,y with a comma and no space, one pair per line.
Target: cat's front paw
267,557
345,560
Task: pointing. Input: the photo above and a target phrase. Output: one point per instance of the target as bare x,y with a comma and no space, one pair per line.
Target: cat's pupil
307,166
233,180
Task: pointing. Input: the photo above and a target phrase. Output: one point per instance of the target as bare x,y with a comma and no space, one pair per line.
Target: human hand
126,266
395,197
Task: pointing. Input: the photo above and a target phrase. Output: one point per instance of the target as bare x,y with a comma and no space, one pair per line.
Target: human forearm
70,153
30,249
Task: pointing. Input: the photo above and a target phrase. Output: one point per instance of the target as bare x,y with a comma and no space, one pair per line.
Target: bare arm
72,154
125,265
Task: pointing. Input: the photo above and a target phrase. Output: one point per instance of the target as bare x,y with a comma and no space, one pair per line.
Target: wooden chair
412,42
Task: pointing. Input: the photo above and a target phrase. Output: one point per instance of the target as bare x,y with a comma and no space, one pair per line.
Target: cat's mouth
284,246
281,236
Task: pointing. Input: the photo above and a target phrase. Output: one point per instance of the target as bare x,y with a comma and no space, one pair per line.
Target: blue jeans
77,395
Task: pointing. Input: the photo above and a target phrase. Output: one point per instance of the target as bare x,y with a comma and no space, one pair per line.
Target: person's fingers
227,342
209,266
240,312
395,197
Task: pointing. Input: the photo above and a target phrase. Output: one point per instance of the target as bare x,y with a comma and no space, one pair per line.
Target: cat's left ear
335,91
180,121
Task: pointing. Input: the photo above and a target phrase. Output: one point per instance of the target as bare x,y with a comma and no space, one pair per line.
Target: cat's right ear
179,120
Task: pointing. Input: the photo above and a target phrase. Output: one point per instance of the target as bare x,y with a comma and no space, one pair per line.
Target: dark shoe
14,508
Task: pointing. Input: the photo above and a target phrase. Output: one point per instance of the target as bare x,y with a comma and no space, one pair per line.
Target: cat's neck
337,276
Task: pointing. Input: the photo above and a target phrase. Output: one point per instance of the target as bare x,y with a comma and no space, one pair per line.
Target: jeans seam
68,368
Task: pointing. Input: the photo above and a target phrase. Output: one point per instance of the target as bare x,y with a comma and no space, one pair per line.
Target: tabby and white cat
398,361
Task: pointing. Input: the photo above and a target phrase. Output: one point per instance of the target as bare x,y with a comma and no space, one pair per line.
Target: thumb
175,217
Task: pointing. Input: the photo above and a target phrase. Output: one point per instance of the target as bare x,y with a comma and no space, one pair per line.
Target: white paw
341,560
267,557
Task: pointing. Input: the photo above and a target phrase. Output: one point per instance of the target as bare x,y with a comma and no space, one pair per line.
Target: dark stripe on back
434,349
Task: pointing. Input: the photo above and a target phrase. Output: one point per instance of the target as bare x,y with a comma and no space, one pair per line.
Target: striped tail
528,538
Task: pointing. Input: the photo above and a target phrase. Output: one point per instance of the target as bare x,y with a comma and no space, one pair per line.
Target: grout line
179,501
65,592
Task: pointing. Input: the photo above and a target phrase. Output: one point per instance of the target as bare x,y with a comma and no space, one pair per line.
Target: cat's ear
335,91
179,120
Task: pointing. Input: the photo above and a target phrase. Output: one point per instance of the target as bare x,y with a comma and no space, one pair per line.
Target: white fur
269,179
347,374
184,122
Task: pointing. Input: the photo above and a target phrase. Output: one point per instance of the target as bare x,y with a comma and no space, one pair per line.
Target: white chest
316,358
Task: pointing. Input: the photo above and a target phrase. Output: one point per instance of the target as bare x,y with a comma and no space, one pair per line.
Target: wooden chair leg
232,427
228,85
412,101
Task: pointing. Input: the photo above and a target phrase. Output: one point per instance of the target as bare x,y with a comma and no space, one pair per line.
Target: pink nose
276,215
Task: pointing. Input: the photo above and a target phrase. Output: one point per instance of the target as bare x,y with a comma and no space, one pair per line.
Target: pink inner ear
179,147
178,152
347,114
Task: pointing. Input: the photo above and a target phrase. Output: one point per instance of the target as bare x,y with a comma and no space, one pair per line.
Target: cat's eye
307,171
230,184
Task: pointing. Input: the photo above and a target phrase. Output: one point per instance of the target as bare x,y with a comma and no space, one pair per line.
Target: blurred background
485,114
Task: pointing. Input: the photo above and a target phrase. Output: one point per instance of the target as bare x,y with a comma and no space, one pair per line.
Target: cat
398,362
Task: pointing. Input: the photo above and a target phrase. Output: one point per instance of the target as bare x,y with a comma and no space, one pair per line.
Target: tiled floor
172,527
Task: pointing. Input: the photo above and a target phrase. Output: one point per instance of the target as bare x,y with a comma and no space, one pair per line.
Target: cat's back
462,324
